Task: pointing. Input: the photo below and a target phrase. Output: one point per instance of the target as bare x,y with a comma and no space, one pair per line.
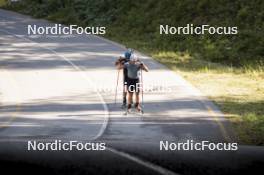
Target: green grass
238,92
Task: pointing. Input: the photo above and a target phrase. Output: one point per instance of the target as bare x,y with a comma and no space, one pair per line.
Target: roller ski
136,110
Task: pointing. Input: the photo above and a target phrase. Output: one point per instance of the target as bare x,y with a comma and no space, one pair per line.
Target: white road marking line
144,163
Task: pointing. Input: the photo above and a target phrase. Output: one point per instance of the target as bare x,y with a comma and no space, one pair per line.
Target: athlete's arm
120,65
144,67
118,60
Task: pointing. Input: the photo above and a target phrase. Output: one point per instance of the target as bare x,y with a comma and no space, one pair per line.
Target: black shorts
133,85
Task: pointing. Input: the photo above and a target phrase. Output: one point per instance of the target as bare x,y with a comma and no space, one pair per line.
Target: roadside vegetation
3,2
229,69
239,92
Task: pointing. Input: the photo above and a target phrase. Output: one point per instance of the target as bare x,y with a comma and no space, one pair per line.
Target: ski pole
142,89
124,96
117,84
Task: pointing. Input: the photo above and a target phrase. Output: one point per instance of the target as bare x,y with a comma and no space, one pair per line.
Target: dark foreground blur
15,158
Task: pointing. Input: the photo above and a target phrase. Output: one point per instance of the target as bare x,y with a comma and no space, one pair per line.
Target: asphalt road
54,87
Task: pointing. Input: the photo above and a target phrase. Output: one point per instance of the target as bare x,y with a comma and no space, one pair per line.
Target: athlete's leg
130,96
137,97
137,106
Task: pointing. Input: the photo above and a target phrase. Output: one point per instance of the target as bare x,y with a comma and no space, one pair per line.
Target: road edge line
106,109
144,163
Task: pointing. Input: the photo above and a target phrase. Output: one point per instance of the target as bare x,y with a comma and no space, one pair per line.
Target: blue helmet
128,53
